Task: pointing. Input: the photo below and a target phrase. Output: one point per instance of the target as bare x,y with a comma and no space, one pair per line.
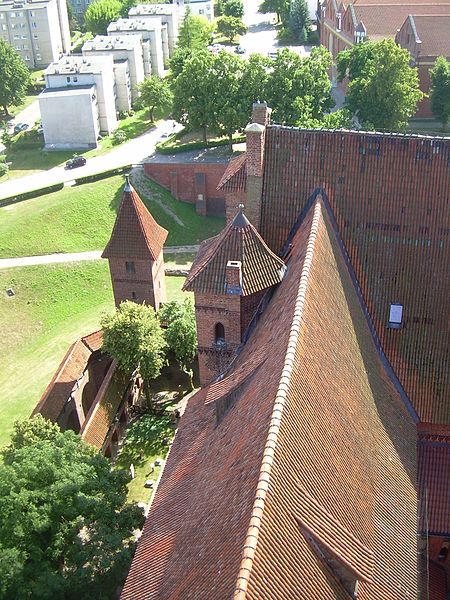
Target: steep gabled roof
433,32
318,424
235,177
136,234
239,241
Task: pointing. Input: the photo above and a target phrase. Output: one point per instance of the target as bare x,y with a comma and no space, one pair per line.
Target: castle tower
135,253
229,277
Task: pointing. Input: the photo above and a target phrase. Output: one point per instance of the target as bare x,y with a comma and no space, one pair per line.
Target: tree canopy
65,530
195,32
133,336
279,7
299,21
230,27
14,77
100,13
440,90
383,90
155,91
233,8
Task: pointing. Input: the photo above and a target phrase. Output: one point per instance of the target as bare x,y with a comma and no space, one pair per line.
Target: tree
133,337
230,27
440,90
195,32
4,167
233,8
100,14
14,77
155,91
180,332
383,90
177,62
65,530
253,85
299,21
194,93
279,7
73,21
298,84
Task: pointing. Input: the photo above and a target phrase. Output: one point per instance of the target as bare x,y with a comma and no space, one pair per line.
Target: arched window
219,333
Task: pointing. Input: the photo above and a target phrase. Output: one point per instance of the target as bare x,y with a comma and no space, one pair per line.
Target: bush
104,175
3,168
313,38
33,194
119,137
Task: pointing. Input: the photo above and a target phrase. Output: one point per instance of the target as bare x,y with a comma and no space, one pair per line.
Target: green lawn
53,305
82,217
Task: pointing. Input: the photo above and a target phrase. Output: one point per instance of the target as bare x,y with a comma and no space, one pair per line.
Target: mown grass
53,305
81,218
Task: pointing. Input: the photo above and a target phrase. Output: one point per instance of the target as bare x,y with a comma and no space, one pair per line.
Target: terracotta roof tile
235,177
438,582
239,241
136,234
320,415
390,196
94,340
433,33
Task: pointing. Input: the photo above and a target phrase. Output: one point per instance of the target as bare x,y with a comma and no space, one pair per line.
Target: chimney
233,277
255,135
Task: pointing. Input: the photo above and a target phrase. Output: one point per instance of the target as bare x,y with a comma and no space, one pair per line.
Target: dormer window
395,316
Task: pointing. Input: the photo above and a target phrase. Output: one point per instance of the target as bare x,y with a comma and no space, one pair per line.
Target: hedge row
167,146
59,186
33,194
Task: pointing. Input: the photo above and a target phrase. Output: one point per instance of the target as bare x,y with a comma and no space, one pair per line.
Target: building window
35,35
130,268
68,79
27,58
17,37
133,296
395,316
38,57
33,25
75,79
219,334
443,552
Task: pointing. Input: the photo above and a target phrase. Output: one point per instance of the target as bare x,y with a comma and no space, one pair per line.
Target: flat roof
68,65
82,90
153,9
134,24
110,42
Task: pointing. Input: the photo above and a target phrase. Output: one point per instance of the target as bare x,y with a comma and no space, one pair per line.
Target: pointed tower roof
136,234
239,241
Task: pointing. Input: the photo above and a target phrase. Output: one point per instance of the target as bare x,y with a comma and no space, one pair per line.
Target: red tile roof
235,177
136,234
238,241
437,582
94,340
390,196
320,417
434,479
433,33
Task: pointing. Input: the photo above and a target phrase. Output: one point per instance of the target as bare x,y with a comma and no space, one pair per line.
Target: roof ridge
251,539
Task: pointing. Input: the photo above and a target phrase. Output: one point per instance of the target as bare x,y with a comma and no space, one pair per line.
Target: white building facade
37,29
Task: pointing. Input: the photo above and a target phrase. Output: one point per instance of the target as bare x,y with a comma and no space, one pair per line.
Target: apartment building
199,8
127,54
153,33
37,29
79,101
168,13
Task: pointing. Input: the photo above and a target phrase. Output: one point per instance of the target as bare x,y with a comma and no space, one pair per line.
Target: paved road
29,115
131,152
47,259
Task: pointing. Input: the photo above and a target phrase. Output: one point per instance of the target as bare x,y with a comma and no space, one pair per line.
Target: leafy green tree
230,27
73,22
279,7
383,90
133,336
177,62
4,168
194,93
100,14
253,85
65,530
180,332
233,8
155,91
298,84
14,77
195,32
299,20
440,90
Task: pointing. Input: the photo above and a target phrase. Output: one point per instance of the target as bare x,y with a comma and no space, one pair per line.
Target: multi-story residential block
199,8
151,33
79,101
169,14
124,49
425,37
37,29
79,7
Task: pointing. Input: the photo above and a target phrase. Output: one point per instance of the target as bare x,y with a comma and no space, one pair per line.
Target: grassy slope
52,306
81,218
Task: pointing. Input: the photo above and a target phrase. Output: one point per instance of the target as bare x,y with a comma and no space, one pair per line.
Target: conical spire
136,234
238,242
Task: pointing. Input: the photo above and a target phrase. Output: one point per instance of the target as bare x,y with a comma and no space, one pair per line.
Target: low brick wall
190,182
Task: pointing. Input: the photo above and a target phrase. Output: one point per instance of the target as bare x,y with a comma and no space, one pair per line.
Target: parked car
76,161
239,50
20,127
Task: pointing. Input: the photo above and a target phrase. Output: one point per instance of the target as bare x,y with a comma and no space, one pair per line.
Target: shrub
119,137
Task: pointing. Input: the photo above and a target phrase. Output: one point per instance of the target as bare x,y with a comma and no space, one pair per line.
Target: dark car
76,161
239,50
20,127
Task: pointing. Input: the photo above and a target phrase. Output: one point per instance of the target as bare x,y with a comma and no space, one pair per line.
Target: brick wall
137,286
185,181
232,201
